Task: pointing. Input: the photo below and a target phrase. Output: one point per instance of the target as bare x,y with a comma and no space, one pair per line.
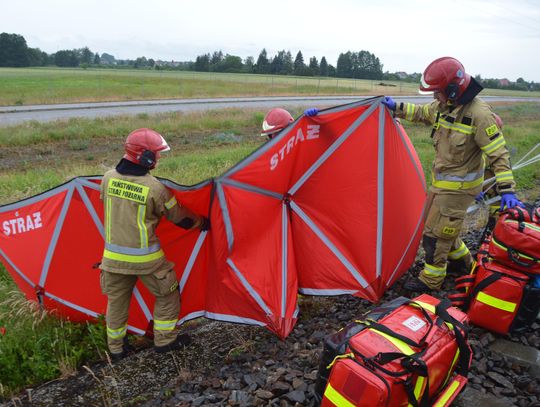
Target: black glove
205,224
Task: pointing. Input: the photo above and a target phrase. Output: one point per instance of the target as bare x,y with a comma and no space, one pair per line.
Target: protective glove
311,112
205,224
389,102
509,200
480,197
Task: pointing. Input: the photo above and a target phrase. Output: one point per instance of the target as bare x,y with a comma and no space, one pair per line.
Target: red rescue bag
516,239
497,297
406,357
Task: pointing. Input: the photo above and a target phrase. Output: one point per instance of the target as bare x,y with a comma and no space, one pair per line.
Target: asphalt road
12,115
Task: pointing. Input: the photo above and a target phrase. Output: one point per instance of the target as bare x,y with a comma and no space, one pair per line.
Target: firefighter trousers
444,220
119,287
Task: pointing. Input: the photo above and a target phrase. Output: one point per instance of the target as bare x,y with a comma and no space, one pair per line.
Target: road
12,115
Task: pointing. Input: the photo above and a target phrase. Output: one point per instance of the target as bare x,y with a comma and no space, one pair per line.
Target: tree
299,66
37,57
13,50
66,58
314,66
344,65
97,59
332,71
217,57
249,65
323,69
86,55
202,63
262,65
231,63
140,62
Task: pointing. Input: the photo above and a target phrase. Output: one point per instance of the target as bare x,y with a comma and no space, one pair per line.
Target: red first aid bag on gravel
516,239
407,357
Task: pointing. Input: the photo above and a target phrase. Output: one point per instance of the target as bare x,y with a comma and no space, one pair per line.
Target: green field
27,86
37,156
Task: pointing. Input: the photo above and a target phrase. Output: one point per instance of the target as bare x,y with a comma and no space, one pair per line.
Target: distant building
402,75
504,82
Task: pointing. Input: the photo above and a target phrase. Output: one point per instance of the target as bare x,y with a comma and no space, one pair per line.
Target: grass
26,86
35,157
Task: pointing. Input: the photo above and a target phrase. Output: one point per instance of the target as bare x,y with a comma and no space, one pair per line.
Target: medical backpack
406,352
496,296
515,241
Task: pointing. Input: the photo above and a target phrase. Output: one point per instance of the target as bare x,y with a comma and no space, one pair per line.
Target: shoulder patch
491,130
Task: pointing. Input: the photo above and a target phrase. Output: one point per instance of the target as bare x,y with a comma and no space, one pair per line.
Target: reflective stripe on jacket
134,206
463,138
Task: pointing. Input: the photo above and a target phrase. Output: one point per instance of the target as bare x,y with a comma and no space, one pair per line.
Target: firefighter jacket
466,138
134,206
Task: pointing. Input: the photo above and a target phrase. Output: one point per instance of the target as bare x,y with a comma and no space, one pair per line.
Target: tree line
14,52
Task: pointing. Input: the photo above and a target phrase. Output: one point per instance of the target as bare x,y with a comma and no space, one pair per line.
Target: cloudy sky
495,38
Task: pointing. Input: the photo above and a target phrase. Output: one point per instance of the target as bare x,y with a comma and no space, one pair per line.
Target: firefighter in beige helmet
465,134
134,203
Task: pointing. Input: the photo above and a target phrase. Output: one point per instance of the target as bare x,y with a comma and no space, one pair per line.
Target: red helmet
445,75
275,120
143,147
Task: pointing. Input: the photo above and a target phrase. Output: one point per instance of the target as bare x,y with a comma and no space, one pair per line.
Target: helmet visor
426,88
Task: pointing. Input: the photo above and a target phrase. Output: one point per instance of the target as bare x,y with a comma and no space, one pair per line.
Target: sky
495,39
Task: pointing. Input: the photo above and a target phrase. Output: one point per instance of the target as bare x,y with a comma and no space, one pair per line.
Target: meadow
63,85
34,157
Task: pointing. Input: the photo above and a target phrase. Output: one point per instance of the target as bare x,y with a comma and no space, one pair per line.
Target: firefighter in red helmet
277,119
134,203
465,134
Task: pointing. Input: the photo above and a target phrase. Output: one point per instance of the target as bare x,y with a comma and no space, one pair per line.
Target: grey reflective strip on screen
329,244
284,256
233,318
226,216
86,183
191,261
37,198
249,288
19,272
133,251
251,188
142,304
472,176
332,148
419,170
296,311
56,234
91,210
315,291
380,192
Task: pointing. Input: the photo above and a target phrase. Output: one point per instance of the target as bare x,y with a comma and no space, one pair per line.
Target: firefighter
134,203
277,119
465,134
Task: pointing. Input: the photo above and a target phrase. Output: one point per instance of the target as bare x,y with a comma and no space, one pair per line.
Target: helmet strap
147,159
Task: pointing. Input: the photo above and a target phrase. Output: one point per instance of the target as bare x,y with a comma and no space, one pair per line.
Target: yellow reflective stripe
504,176
504,248
425,111
494,145
165,325
434,271
402,346
332,395
410,111
129,258
143,231
418,388
456,356
117,333
108,216
527,225
457,184
459,252
460,127
496,302
170,203
447,394
345,355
